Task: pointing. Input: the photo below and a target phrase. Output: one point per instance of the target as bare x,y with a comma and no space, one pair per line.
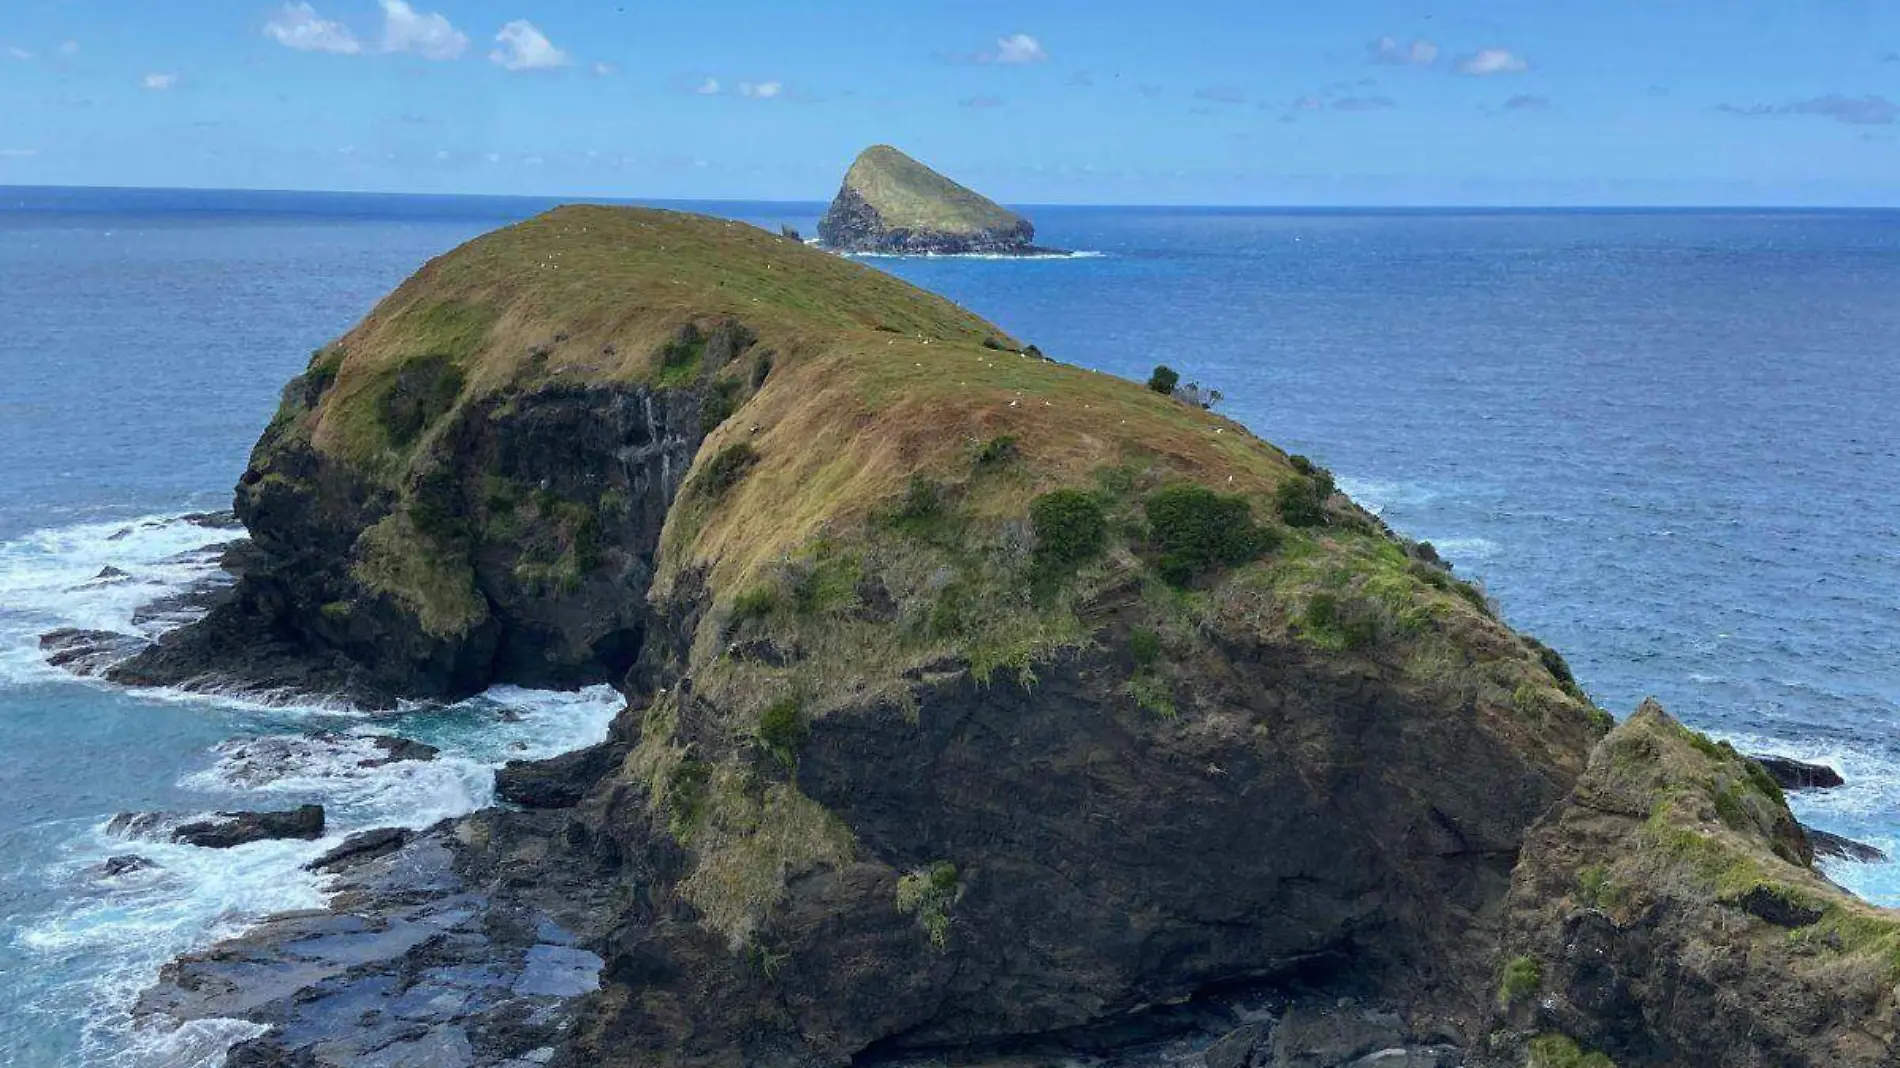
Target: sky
1371,102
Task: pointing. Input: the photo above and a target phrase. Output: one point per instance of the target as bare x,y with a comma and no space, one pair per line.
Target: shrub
761,369
726,468
1197,531
1557,1051
783,727
1355,623
1522,977
415,395
1145,646
1301,500
1070,527
928,894
680,357
999,451
1163,380
756,603
721,401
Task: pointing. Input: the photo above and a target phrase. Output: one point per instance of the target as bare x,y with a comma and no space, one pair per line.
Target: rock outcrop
975,702
890,203
1667,913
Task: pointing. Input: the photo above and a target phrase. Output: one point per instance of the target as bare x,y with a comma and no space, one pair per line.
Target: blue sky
1063,101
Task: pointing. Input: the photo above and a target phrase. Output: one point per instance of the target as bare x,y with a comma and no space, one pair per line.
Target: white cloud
709,87
1390,51
430,36
69,48
760,90
18,153
1490,61
520,46
158,83
605,70
299,26
1018,48
19,53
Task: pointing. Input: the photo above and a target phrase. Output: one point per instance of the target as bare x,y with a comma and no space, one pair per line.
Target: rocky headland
981,709
890,203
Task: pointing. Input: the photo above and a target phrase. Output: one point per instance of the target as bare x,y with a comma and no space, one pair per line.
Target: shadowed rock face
544,507
891,203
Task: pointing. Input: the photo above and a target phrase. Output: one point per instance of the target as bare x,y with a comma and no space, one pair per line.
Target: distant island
890,203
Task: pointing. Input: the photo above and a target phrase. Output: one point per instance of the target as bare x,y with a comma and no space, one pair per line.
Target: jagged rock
559,782
1331,1037
229,829
88,652
1236,1048
1798,775
109,573
1840,848
397,750
891,203
125,864
1667,913
221,520
360,848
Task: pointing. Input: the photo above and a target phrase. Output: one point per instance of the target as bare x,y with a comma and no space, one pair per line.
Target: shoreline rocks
222,830
1794,774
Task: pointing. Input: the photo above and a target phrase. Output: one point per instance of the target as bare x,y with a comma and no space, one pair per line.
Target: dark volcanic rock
560,782
360,848
1839,848
229,829
125,864
88,652
1797,775
397,750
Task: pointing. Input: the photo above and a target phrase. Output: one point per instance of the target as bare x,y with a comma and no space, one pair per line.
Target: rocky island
981,709
890,203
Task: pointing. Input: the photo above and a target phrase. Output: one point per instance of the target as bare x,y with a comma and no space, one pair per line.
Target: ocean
1663,441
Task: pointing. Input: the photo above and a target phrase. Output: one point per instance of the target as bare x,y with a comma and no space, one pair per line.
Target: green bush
416,395
1522,977
721,401
1301,500
761,369
726,468
1145,646
1163,380
929,894
999,451
756,603
783,727
1070,528
1355,623
1558,1051
1197,531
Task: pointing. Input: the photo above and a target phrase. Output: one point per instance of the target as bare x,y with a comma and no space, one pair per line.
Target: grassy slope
877,387
911,196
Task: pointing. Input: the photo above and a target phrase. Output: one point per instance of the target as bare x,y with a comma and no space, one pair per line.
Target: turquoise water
1665,441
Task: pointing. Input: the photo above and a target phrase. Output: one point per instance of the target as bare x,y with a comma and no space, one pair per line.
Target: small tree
1198,395
1070,528
1164,380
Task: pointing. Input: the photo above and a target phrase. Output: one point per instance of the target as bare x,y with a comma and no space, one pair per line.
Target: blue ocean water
1664,441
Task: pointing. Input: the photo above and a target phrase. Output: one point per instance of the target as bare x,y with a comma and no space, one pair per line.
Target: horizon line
580,198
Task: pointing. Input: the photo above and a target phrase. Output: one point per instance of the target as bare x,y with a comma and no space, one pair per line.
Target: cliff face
971,696
893,204
1667,913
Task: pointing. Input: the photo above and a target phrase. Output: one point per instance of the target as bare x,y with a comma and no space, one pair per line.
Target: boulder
361,848
125,864
1836,847
1798,775
226,830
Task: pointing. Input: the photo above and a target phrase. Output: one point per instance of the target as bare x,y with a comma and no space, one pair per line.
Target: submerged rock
125,864
893,204
360,848
88,652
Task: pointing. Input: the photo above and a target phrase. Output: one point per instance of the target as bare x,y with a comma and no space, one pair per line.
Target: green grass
929,894
1558,1051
